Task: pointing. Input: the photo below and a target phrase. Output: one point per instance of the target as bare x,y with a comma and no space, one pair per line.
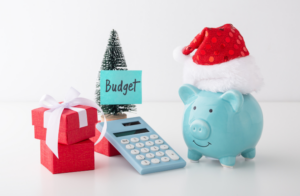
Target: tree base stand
105,147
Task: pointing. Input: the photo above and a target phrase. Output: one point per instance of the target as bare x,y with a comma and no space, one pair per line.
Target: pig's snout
200,129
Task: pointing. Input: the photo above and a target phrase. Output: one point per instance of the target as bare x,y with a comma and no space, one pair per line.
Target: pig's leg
194,155
227,162
249,154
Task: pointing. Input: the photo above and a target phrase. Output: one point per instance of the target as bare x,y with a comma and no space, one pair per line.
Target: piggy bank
220,125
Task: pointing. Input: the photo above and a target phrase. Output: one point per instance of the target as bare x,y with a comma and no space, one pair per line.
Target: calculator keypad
172,154
164,147
150,155
165,159
125,141
144,138
135,152
155,161
130,146
154,148
144,150
154,136
140,157
149,143
139,145
159,142
134,139
145,162
160,152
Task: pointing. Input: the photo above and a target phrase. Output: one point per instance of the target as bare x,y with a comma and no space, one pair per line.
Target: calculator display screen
125,133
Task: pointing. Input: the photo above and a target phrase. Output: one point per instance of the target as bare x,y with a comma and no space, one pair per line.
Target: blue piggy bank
220,125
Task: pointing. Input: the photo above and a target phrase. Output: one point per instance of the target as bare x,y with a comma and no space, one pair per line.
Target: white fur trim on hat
240,74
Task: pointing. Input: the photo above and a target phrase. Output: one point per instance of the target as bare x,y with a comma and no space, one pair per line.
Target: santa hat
221,62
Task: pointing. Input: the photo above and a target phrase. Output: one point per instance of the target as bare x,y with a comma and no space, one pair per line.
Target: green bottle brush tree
113,60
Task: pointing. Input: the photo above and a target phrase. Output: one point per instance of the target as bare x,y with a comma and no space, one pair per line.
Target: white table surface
274,171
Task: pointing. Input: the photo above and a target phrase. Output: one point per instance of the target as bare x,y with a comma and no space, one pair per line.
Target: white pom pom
178,56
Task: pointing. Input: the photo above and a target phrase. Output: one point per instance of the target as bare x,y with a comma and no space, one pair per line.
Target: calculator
141,146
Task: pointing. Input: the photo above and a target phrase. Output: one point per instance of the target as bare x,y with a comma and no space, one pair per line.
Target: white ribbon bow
56,109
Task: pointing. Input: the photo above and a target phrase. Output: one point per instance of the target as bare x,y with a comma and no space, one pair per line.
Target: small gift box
72,158
70,131
104,146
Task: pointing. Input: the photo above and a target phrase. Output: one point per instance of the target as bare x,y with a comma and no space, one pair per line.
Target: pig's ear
235,98
188,93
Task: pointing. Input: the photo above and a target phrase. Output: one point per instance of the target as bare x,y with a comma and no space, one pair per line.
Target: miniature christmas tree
113,60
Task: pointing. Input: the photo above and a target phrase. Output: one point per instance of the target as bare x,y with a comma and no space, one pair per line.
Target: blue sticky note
120,87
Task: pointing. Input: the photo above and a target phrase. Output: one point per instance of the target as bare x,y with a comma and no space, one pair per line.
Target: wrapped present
72,158
70,131
104,146
66,122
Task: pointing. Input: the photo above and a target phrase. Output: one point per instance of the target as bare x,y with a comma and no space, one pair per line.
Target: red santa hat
221,62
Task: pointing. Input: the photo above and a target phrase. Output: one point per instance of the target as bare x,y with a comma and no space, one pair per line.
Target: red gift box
69,131
104,146
72,158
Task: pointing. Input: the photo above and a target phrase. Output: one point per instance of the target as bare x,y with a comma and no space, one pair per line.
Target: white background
48,46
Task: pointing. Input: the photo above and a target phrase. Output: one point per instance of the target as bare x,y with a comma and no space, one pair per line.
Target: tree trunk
110,117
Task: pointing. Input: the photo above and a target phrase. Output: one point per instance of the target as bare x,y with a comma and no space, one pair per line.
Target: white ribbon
55,111
83,122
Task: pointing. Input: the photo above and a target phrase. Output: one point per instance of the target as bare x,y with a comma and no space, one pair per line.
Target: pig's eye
210,110
194,107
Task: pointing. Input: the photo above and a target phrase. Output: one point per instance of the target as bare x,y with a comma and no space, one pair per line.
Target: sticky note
120,87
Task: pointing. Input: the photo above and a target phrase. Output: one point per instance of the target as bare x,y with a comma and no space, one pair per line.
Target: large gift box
64,129
72,158
69,130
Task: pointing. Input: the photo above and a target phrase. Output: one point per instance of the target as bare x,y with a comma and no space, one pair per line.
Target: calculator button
160,153
130,146
144,150
150,155
149,143
172,154
145,162
164,147
165,159
154,148
155,161
139,145
159,142
135,152
144,138
154,136
124,141
140,157
134,139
